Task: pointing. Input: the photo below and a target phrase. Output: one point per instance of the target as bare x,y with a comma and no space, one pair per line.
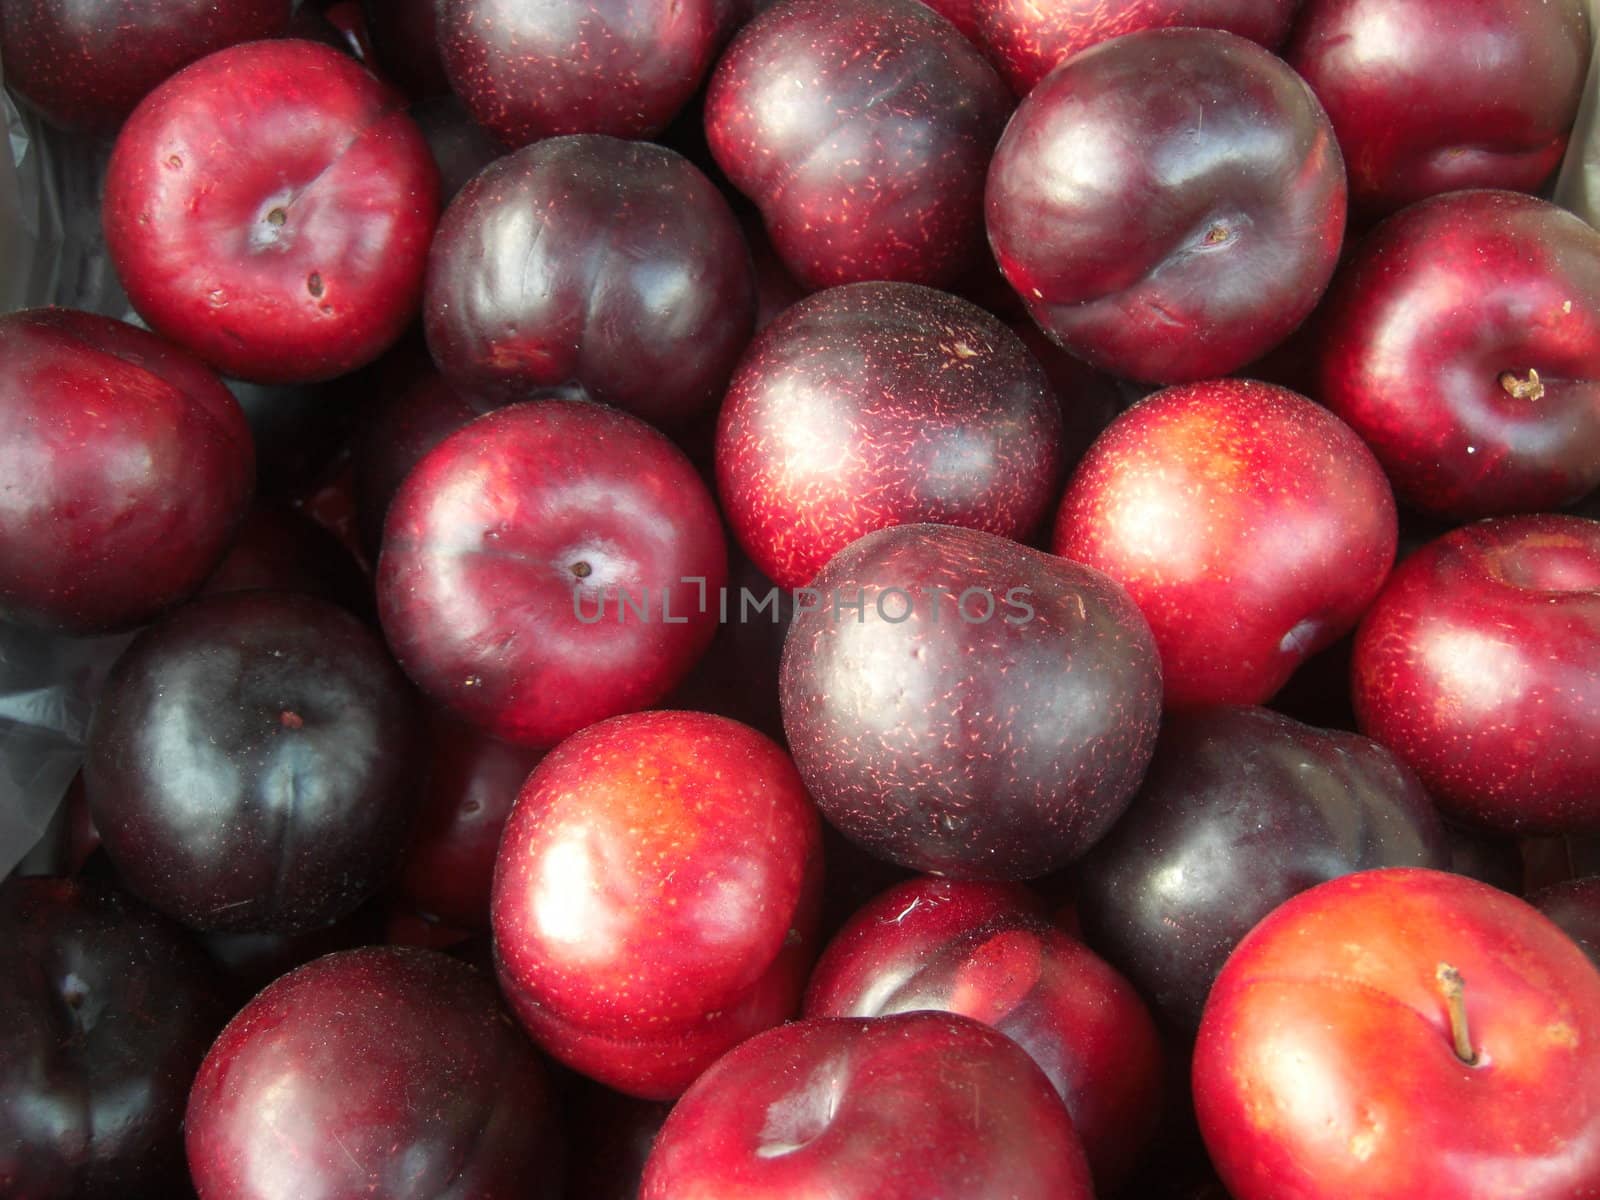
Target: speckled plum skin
1462,342
269,208
1431,96
1029,40
1202,215
1241,809
386,1071
469,786
85,66
878,404
963,14
861,129
1341,986
656,897
820,1107
989,952
994,749
618,67
250,763
1251,526
600,267
139,467
509,594
1575,907
1479,665
109,1009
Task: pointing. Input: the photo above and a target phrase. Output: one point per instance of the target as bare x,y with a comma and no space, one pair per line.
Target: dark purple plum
619,67
986,713
878,404
989,952
84,64
108,1010
1242,809
861,129
595,267
1169,204
125,467
251,763
388,1072
1575,907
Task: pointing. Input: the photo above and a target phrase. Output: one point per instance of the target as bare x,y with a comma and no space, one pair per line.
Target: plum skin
1169,205
1251,526
1479,665
86,65
1241,809
616,67
1460,341
109,1010
470,784
995,749
816,1107
1344,982
1028,40
389,1071
295,254
631,284
504,589
140,467
656,897
250,763
989,952
877,404
1431,96
856,182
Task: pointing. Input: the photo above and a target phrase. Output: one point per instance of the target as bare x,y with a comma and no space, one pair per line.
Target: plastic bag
51,252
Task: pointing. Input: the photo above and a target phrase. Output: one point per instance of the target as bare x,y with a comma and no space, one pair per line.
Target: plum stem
1455,998
1523,388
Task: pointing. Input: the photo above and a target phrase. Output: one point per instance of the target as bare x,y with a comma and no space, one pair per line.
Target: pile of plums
759,599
